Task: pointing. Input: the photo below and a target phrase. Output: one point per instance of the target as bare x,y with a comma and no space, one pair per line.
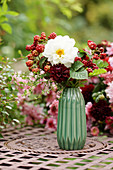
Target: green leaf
67,12
89,55
82,52
3,19
79,75
5,6
6,27
1,68
41,62
77,65
100,63
96,72
12,13
77,7
1,135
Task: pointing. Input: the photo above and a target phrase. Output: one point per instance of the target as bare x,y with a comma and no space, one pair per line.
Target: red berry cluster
99,52
92,45
36,49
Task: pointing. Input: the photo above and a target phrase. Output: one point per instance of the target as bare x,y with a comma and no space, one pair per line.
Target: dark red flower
59,73
87,92
100,110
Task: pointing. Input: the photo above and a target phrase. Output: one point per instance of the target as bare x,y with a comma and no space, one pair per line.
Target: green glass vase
71,126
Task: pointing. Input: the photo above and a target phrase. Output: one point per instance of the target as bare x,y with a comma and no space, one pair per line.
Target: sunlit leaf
13,13
5,6
77,7
6,27
96,72
3,19
66,12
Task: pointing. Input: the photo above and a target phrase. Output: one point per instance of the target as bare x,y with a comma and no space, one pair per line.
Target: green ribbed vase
71,126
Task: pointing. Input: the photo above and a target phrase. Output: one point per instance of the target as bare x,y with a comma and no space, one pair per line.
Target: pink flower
109,120
50,97
38,89
109,91
20,99
89,119
29,120
110,50
87,108
94,131
94,80
32,111
54,108
108,77
111,61
51,124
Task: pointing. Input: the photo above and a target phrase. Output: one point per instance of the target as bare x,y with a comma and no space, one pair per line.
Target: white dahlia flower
61,50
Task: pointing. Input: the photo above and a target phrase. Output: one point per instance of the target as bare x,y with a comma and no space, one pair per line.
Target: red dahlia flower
100,110
87,92
59,73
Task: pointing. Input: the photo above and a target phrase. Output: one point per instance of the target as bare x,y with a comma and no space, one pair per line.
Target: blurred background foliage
80,19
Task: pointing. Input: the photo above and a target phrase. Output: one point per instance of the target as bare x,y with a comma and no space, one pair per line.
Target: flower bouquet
98,95
55,59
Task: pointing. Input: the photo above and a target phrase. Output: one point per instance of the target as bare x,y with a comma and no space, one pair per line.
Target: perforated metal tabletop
37,149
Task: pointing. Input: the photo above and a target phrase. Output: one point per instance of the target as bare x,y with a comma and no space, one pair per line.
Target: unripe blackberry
35,70
29,63
36,38
43,35
47,68
52,35
40,48
33,47
30,57
102,55
78,58
84,62
92,45
96,57
101,49
89,70
35,53
86,57
28,47
30,68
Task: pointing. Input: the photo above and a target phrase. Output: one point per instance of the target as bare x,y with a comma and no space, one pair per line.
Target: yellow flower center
60,52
